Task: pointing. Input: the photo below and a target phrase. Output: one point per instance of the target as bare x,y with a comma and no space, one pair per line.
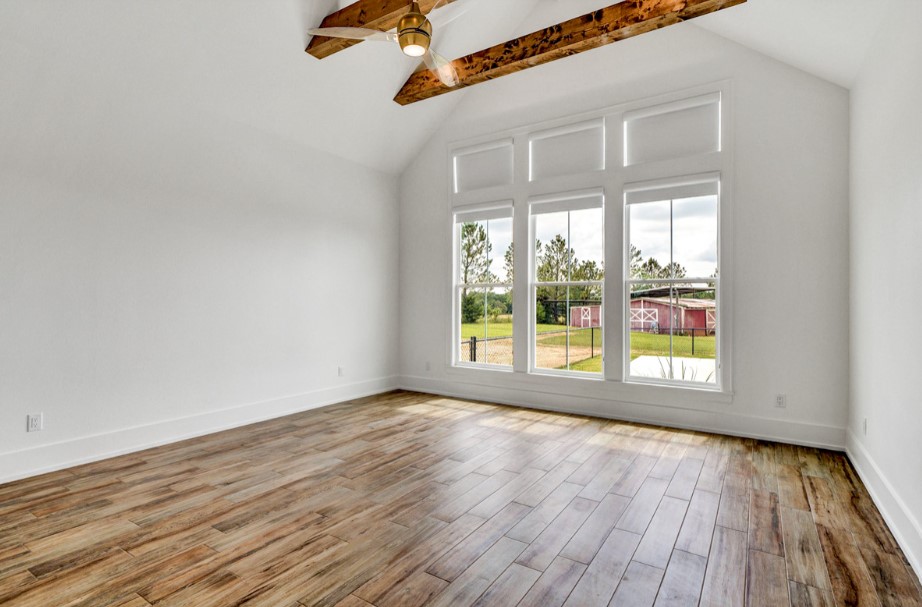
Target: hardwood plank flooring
409,500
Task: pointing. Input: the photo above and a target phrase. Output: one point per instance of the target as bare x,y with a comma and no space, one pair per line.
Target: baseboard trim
74,452
899,517
720,422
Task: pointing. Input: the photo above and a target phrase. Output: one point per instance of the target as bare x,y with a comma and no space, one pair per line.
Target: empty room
381,303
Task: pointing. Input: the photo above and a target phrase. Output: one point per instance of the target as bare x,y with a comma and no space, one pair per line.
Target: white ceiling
242,62
827,38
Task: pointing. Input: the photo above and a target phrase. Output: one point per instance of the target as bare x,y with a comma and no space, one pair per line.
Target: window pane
694,236
500,249
486,326
568,328
651,338
483,247
650,252
588,244
552,247
674,334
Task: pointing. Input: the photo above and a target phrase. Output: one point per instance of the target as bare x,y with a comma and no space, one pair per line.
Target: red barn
586,317
662,314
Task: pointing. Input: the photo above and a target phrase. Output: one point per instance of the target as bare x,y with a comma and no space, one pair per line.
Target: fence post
473,348
693,342
592,342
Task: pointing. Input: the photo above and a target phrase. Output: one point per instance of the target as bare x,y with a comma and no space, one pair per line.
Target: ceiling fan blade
353,33
453,11
442,67
438,5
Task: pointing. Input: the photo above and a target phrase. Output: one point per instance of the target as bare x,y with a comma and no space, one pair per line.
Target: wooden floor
408,499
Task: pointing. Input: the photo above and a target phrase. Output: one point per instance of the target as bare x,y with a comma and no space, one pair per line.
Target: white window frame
486,212
612,180
671,190
556,203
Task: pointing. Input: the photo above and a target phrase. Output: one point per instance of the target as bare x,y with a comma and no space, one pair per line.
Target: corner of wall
899,517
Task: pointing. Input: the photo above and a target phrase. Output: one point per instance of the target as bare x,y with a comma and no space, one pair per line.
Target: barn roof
668,290
683,302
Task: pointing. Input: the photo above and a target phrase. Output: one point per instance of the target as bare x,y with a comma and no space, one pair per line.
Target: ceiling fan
414,35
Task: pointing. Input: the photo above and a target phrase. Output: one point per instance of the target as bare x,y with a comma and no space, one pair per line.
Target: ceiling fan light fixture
414,32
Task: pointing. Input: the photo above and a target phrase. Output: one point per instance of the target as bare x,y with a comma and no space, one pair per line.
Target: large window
672,276
484,287
569,270
659,317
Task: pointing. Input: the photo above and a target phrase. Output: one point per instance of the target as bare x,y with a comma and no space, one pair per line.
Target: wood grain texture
681,585
851,582
766,585
638,587
808,596
802,550
408,500
725,580
593,30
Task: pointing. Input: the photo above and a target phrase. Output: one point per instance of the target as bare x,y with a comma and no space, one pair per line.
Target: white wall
886,225
168,270
790,255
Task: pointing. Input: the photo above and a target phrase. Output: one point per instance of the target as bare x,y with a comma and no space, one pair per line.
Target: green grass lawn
648,344
589,365
499,329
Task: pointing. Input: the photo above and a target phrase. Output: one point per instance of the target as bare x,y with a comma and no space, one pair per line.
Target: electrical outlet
35,422
781,401
864,426
341,371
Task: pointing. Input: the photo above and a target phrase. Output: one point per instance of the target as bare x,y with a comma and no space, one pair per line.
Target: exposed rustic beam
374,14
605,26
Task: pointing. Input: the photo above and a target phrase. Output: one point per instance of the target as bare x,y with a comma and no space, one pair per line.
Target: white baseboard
899,517
73,452
720,422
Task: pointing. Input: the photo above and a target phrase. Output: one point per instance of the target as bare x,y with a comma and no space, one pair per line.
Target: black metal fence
490,350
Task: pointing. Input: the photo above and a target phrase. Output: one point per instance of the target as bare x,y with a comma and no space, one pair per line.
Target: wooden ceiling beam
605,26
374,14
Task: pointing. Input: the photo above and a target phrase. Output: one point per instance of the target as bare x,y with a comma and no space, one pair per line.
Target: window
672,283
665,321
483,292
568,273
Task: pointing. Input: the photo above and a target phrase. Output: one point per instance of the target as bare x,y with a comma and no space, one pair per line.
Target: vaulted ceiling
168,61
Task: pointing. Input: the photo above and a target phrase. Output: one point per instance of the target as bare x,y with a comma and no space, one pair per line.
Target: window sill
589,386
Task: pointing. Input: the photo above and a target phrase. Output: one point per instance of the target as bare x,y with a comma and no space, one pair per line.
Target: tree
475,254
652,270
673,270
554,265
554,262
475,268
509,263
587,271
